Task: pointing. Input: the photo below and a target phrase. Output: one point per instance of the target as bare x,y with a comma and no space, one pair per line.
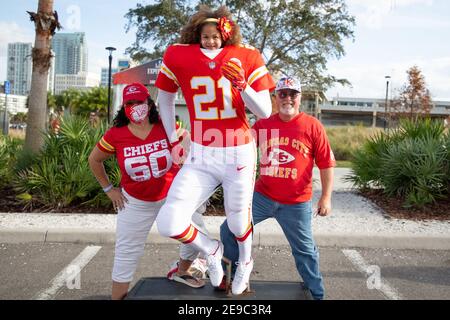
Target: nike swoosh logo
240,168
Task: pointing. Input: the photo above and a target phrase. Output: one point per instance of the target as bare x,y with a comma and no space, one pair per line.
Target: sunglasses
284,94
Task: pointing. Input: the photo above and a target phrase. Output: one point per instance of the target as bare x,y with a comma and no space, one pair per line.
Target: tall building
122,64
71,54
104,79
51,75
19,68
80,81
16,103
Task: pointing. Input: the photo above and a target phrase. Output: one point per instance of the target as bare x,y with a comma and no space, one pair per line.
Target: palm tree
70,99
94,100
46,22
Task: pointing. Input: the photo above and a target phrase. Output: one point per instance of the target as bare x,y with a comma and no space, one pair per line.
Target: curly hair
121,120
190,33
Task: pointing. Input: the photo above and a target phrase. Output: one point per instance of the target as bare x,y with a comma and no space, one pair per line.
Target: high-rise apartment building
71,53
104,76
19,68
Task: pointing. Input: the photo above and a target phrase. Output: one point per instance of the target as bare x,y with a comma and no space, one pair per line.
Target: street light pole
5,117
110,49
386,116
5,114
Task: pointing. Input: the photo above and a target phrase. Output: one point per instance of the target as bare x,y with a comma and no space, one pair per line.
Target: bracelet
108,188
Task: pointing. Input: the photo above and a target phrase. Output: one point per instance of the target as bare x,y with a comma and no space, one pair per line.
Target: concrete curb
261,238
22,236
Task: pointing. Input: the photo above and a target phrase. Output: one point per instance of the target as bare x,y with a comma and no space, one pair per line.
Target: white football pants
206,168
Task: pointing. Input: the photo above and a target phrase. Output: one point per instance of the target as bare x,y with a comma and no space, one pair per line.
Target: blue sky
390,37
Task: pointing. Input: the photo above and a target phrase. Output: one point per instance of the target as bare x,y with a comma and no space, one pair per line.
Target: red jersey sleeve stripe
105,146
169,74
103,149
258,73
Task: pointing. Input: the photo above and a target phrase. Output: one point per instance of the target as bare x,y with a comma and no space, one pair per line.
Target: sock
245,245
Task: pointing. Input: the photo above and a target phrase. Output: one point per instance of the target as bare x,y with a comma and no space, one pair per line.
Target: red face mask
136,112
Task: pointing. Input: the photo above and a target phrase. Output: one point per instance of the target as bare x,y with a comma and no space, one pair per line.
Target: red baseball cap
135,91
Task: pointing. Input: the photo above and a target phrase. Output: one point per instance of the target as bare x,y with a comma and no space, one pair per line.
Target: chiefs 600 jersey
147,162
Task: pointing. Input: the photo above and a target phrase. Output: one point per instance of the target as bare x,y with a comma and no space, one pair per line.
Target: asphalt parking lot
65,271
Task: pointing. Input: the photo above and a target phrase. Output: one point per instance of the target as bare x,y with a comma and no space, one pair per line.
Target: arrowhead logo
278,156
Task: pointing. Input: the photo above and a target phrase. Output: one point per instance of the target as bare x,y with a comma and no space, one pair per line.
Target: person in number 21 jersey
218,77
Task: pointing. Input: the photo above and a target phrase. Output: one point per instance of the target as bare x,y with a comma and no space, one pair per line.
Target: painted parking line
374,280
68,274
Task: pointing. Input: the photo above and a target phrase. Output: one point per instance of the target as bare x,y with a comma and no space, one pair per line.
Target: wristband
108,188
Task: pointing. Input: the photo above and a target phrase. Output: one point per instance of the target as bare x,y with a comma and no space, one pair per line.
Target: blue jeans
295,220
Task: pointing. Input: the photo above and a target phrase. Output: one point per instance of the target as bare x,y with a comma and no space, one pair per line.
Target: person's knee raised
169,222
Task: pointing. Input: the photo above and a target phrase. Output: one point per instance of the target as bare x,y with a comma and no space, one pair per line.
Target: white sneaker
215,269
241,277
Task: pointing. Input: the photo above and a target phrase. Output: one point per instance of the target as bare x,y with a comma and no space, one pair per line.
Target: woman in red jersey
143,153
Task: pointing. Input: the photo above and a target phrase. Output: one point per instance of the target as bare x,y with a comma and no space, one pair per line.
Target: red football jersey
288,151
146,165
216,109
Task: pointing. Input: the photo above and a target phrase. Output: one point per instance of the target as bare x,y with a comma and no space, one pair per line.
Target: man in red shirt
290,142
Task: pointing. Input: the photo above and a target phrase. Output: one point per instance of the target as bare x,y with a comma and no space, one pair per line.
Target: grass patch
17,134
345,140
343,164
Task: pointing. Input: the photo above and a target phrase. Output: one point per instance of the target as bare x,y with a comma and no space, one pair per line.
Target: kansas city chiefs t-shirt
288,151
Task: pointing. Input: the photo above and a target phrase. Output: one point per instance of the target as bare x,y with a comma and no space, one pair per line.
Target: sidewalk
355,222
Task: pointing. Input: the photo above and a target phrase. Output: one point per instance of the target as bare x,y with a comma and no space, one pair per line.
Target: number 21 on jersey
213,113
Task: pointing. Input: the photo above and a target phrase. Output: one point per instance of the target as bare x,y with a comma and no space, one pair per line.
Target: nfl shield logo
212,65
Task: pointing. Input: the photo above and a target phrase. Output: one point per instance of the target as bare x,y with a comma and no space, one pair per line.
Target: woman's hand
117,198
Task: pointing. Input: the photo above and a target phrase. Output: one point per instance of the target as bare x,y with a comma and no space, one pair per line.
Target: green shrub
411,162
9,151
447,169
60,176
367,164
415,169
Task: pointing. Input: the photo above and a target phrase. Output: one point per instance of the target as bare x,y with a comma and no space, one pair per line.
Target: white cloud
374,14
368,80
11,32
